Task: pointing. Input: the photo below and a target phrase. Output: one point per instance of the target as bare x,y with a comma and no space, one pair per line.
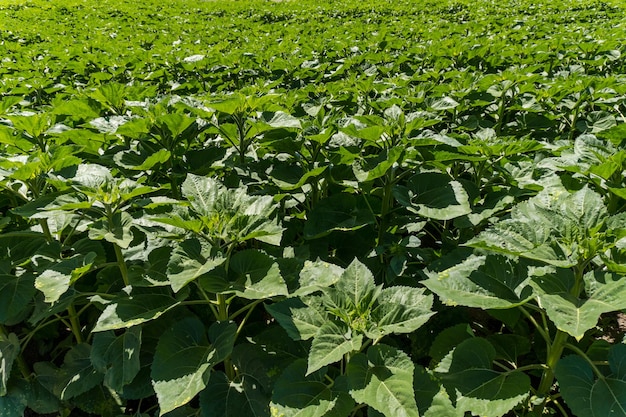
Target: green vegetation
342,209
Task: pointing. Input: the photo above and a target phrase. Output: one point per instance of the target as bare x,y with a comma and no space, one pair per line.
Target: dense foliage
343,208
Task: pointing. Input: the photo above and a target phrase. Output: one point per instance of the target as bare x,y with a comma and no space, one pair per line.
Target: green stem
46,230
540,329
555,350
245,308
122,264
222,308
75,324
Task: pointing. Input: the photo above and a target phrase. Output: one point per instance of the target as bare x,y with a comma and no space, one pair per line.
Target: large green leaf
117,230
56,279
315,276
223,398
437,196
301,318
232,215
589,395
357,287
480,389
338,212
184,357
9,351
299,395
16,295
189,260
77,375
129,310
332,341
255,275
117,357
383,380
399,310
556,227
482,281
13,403
605,292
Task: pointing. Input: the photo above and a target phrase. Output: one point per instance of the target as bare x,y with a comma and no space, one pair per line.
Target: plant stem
121,264
554,354
540,329
222,308
75,324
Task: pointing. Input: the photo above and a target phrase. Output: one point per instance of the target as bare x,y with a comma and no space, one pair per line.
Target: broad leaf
479,388
487,282
223,398
301,318
588,395
189,260
605,292
117,357
297,394
339,212
127,311
399,310
9,350
255,275
77,375
437,196
56,279
332,341
184,358
383,380
16,295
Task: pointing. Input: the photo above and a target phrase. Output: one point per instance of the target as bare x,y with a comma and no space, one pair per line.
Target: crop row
337,209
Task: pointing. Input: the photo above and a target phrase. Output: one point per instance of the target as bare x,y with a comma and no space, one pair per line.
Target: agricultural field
312,208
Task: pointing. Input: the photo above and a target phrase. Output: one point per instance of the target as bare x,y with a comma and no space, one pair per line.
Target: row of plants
303,209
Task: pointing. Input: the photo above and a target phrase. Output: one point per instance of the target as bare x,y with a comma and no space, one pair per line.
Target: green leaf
290,178
301,318
377,166
438,197
16,294
487,282
383,380
183,360
338,212
189,260
605,291
356,286
479,388
556,227
299,395
399,310
9,351
432,398
223,398
315,276
77,375
332,341
232,215
255,275
56,279
13,404
129,310
117,231
576,381
117,357
588,396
